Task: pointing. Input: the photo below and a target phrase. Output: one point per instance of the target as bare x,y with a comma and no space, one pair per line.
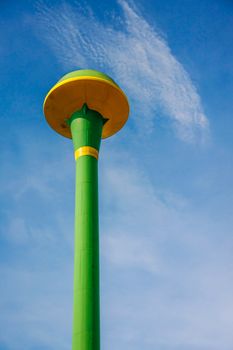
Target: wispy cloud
171,255
28,295
136,55
127,251
166,255
168,278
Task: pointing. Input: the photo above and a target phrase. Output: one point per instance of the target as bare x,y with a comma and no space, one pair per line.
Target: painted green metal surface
86,128
87,73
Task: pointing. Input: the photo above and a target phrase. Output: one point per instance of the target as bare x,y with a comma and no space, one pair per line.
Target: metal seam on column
86,151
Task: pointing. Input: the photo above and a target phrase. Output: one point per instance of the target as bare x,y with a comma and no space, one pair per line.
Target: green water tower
86,105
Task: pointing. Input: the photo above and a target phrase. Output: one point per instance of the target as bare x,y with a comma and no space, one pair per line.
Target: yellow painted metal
86,151
101,95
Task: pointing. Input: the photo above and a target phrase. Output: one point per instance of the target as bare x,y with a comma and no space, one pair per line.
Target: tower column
86,129
66,111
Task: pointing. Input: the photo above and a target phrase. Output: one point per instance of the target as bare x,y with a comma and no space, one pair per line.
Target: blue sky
166,193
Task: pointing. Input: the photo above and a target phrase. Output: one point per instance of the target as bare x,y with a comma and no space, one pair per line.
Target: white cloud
36,306
126,251
188,279
177,277
138,58
168,278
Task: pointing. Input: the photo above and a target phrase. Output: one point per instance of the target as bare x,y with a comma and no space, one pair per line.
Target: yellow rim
83,78
86,151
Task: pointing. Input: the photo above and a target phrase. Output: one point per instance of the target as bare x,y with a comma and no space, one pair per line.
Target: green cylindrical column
86,128
62,104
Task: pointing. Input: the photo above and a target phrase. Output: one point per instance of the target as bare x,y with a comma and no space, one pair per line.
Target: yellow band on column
86,151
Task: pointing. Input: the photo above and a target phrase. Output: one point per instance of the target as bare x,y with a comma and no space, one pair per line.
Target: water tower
86,105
